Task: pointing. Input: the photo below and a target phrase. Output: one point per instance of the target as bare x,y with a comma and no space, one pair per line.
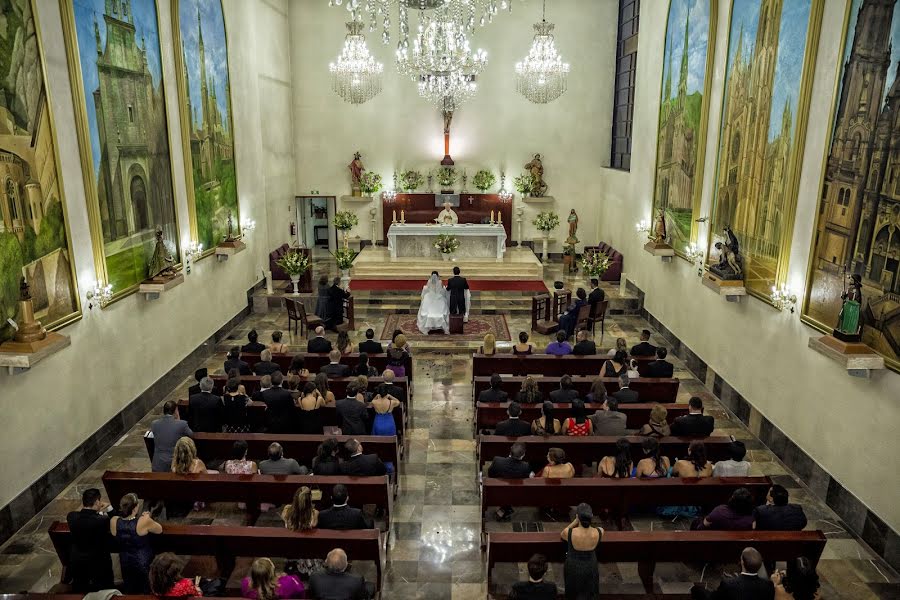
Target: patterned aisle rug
475,330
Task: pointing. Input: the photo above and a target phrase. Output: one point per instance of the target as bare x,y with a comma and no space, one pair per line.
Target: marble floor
433,551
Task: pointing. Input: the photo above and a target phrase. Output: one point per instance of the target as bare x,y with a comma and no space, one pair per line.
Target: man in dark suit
777,515
608,420
584,346
340,515
253,347
265,383
625,395
336,297
509,467
206,409
494,393
535,588
565,393
334,583
513,426
233,361
351,412
334,368
359,463
660,367
457,287
166,431
265,366
198,375
393,389
695,423
370,346
319,344
746,586
645,348
89,561
280,408
596,295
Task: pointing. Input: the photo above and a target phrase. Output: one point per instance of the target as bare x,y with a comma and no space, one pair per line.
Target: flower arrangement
294,263
546,221
411,180
595,264
524,183
344,257
370,182
483,180
446,176
446,243
344,220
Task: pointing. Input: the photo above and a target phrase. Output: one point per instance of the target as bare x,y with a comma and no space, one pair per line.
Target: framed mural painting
206,120
34,236
120,112
683,115
768,82
858,222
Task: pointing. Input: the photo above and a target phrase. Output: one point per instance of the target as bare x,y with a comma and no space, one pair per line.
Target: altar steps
378,304
517,264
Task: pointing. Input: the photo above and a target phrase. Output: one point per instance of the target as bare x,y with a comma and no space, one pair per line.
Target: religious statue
356,170
161,263
229,232
536,168
849,322
659,231
730,265
24,290
573,224
447,216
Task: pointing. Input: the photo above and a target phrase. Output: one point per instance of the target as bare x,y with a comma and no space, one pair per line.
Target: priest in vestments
336,297
459,294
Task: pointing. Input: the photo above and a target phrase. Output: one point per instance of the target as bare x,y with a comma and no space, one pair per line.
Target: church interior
260,255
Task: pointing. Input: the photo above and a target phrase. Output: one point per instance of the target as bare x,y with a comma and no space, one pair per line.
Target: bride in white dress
434,311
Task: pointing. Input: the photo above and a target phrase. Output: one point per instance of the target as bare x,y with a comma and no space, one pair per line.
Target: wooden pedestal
226,249
21,356
661,249
152,288
857,358
730,289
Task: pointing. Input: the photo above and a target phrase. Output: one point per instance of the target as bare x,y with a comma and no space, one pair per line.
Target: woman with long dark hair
736,515
364,368
696,464
323,389
309,416
652,465
326,461
545,424
166,579
582,576
620,466
800,582
578,424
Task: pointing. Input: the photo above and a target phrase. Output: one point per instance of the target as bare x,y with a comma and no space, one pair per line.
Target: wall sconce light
642,227
247,225
504,194
192,251
391,194
101,294
694,253
783,298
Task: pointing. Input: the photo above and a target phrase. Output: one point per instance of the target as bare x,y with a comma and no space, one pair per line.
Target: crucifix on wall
448,118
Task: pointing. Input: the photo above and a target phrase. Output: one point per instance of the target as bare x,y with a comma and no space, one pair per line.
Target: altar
417,240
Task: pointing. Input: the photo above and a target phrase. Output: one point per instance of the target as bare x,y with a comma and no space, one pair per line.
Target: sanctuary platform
517,264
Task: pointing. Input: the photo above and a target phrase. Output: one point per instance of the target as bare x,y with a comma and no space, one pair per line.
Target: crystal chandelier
356,77
542,76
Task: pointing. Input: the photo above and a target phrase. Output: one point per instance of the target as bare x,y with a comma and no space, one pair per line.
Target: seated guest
645,348
736,515
494,393
132,532
800,582
238,463
523,348
530,393
352,412
340,515
620,466
616,366
343,344
309,416
322,387
89,561
583,345
513,426
560,347
488,345
657,427
776,514
300,515
569,319
566,392
233,361
393,389
748,585
578,424
359,463
735,466
166,431
597,393
234,408
510,467
596,295
326,461
262,584
625,395
370,346
198,375
265,384
396,361
660,367
695,465
695,423
609,420
535,588
557,467
652,466
334,368
184,459
297,373
632,370
277,464
546,424
319,344
205,410
621,346
334,583
253,346
276,347
166,579
364,368
265,366
398,341
281,413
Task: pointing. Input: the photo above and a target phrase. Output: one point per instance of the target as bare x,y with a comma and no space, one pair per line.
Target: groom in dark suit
457,287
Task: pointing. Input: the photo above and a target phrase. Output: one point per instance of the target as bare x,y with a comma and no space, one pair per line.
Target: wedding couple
439,303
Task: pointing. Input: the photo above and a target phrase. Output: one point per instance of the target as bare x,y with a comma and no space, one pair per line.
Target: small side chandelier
783,298
504,194
642,227
694,253
356,77
101,294
542,77
391,194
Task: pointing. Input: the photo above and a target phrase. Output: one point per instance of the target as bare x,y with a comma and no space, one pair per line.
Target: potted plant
446,177
411,180
595,264
546,222
446,244
295,263
569,256
483,180
344,258
524,184
369,182
344,221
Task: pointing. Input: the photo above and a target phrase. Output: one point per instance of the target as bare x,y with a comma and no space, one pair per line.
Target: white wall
498,129
763,354
120,351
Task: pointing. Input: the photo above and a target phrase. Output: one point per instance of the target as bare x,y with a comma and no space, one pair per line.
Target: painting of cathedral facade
682,119
34,240
858,227
119,73
771,50
206,118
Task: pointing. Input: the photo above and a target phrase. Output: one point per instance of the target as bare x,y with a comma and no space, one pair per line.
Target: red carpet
473,331
482,285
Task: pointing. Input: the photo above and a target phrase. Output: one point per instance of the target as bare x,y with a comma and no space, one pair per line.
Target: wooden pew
228,543
42,596
337,385
648,389
250,489
545,364
488,414
315,361
648,548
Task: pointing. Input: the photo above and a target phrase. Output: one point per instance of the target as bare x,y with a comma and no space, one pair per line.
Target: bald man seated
334,583
319,344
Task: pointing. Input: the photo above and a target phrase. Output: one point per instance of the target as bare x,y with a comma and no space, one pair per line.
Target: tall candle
492,217
394,217
499,218
402,216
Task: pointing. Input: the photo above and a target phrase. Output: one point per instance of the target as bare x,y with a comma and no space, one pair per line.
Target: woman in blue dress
384,424
132,532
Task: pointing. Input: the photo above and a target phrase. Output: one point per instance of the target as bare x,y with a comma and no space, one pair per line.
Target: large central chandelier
542,76
356,77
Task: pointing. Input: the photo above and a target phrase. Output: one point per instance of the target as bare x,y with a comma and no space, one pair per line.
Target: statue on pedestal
536,168
229,232
162,264
447,216
659,231
849,321
730,265
30,329
356,170
573,225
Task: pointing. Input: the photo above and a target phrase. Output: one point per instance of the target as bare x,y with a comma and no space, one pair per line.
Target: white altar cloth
417,239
